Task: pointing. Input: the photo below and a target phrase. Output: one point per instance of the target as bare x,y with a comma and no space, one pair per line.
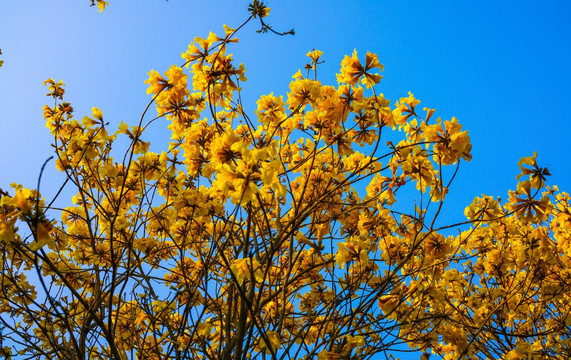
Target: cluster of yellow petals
101,4
352,71
281,232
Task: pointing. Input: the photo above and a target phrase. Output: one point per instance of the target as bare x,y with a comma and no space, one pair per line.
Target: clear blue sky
502,68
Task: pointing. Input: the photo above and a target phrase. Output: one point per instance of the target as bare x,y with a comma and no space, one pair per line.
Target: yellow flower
274,342
258,9
270,176
353,249
437,246
304,91
526,207
429,113
352,71
21,198
177,79
354,341
8,226
194,53
101,5
156,82
405,108
388,303
270,109
314,55
97,114
243,268
484,208
204,329
43,233
451,143
536,174
228,31
56,90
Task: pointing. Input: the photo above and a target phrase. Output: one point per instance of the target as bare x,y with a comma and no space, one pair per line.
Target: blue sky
500,67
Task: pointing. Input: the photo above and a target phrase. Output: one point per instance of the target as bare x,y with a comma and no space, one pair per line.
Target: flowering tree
277,235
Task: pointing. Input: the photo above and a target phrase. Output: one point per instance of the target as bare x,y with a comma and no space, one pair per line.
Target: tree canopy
277,234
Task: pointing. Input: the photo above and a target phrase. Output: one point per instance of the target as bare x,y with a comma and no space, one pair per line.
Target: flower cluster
283,232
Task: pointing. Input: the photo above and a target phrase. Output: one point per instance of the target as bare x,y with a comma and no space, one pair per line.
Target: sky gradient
501,68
